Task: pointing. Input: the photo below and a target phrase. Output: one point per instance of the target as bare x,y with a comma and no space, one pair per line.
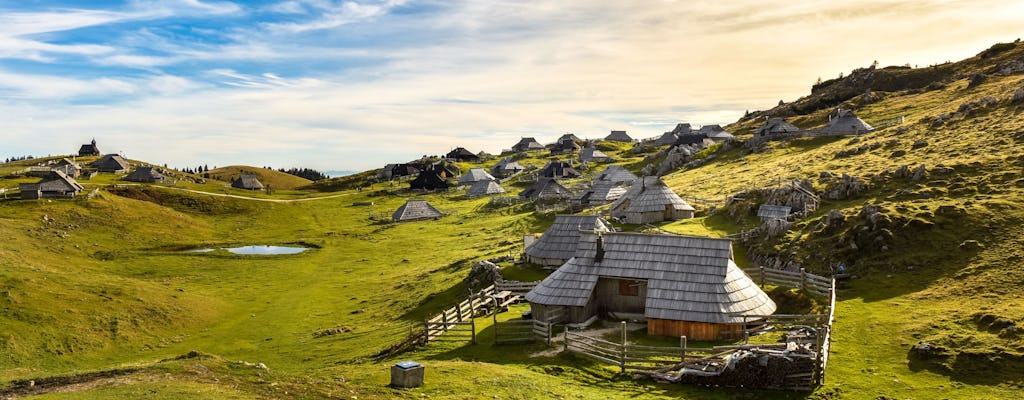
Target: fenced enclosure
808,282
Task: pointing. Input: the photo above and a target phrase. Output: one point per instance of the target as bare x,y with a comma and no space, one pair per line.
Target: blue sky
353,84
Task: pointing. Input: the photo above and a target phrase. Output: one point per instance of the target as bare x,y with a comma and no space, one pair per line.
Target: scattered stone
918,173
971,245
976,80
1018,95
898,153
359,311
919,144
483,274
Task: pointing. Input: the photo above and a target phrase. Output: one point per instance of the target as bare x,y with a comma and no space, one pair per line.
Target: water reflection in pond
256,250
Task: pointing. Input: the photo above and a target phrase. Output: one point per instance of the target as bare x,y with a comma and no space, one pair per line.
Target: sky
352,85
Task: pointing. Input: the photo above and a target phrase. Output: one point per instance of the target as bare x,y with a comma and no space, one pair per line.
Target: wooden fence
625,355
811,283
457,321
515,287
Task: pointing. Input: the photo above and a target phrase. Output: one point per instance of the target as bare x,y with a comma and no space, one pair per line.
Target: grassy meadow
100,299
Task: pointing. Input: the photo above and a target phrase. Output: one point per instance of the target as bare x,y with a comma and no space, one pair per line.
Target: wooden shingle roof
648,195
527,144
688,278
145,174
57,181
616,174
415,210
776,126
475,175
560,240
559,169
773,212
546,189
110,163
507,166
484,188
618,136
845,121
590,153
247,181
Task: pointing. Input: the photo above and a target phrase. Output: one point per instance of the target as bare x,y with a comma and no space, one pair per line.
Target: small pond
257,250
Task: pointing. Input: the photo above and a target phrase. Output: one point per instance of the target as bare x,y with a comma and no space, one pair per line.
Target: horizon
323,84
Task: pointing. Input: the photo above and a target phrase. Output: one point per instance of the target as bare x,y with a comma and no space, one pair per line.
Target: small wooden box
407,374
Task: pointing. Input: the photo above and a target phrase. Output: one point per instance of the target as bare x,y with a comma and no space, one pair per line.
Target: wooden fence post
444,319
761,268
803,279
458,311
746,334
426,331
495,328
472,326
682,345
623,360
565,335
549,333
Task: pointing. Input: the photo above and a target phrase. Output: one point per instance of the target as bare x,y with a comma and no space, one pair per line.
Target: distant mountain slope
276,179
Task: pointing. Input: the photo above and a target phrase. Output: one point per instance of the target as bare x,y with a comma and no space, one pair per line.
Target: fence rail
456,318
514,286
629,356
811,283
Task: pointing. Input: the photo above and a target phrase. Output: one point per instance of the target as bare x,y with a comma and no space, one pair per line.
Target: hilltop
275,179
927,214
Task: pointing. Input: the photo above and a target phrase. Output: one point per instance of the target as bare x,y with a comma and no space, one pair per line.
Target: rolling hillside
99,298
275,179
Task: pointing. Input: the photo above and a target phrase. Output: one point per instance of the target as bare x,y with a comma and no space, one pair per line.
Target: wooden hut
89,149
55,184
68,167
507,167
845,122
618,136
145,174
609,185
559,170
591,154
716,133
475,175
694,139
461,154
565,146
484,188
546,189
247,182
667,138
111,163
415,210
649,201
406,169
682,285
558,244
682,128
769,212
569,136
432,178
528,144
776,128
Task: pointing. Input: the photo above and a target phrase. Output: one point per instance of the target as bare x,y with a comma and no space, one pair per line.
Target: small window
629,288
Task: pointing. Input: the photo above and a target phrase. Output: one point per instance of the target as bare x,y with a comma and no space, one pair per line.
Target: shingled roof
842,121
768,211
688,278
716,133
248,182
559,169
507,167
558,243
528,144
110,163
484,188
460,153
667,138
648,195
590,153
89,149
618,136
475,175
415,210
145,174
546,189
776,127
616,174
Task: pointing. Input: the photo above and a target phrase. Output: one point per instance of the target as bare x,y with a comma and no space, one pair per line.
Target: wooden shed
507,167
68,167
589,154
432,178
558,244
667,138
111,163
528,144
845,122
247,182
54,185
484,188
650,200
716,133
618,136
145,174
769,212
475,175
546,189
565,146
559,170
682,285
415,210
609,185
461,154
776,128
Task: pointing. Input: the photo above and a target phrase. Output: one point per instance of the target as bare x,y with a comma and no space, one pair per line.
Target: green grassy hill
275,179
100,299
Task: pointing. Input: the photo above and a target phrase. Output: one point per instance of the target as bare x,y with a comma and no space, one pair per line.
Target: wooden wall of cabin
692,330
620,295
